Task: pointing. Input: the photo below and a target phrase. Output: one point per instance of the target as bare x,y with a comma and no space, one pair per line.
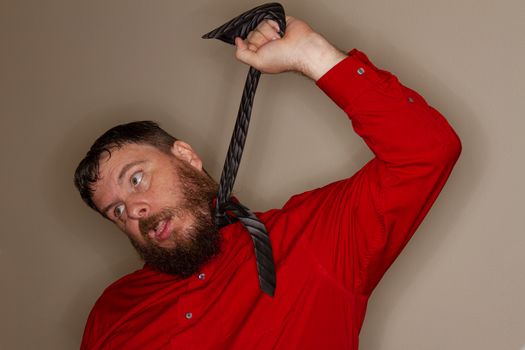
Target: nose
137,209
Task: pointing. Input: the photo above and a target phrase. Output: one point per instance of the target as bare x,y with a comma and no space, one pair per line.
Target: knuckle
266,28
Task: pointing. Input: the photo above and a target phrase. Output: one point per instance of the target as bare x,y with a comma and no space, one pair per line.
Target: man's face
161,201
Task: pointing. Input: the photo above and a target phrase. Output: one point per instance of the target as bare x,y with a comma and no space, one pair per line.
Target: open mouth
161,231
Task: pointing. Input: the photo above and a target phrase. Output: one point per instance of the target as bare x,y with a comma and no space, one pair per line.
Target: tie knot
223,212
231,211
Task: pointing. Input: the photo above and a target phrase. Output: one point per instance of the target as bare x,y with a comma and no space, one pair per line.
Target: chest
225,309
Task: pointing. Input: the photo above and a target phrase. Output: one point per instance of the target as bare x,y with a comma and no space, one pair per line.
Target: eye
119,209
136,178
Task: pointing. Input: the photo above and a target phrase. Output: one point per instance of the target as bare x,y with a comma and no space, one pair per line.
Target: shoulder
119,300
302,214
132,286
108,301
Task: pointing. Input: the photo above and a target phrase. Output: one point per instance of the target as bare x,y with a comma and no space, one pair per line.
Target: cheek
131,229
165,192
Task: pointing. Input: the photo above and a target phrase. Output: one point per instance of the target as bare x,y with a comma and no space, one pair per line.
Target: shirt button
188,315
411,100
360,71
202,276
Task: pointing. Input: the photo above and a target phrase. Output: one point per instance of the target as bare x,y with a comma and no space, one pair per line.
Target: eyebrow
126,167
121,174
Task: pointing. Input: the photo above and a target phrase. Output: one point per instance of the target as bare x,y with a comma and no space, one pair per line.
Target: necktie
241,26
261,242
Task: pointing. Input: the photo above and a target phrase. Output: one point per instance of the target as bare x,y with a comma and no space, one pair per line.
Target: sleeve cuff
348,79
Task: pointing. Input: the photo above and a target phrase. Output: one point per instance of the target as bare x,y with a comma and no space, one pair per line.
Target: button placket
191,303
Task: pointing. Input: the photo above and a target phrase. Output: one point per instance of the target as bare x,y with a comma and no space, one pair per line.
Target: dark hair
141,132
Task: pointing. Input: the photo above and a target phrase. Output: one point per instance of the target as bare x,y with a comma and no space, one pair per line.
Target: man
199,287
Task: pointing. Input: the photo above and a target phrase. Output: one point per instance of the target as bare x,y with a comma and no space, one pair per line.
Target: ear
184,152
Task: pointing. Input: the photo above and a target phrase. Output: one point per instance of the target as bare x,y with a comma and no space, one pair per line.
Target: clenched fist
301,49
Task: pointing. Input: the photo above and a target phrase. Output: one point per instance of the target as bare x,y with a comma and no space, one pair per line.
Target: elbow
448,150
458,146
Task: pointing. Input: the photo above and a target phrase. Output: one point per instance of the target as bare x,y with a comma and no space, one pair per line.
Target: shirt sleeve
358,226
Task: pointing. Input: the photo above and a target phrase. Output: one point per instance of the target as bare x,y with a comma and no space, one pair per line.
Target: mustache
149,223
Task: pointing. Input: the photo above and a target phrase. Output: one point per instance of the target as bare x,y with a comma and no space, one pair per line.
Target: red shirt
331,245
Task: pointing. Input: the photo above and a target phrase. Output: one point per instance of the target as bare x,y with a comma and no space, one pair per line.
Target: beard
199,243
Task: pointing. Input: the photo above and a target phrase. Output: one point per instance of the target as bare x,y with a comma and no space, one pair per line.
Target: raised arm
358,226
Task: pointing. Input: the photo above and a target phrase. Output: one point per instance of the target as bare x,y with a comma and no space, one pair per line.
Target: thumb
244,54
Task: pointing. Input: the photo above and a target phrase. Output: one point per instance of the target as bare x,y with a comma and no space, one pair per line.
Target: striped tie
227,209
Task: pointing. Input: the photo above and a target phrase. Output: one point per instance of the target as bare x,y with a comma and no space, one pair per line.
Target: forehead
127,153
111,165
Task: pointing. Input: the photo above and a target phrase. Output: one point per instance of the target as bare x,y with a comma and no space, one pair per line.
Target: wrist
318,56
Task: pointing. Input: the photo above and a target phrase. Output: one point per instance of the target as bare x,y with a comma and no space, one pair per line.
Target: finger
256,38
243,52
240,44
244,44
274,25
268,31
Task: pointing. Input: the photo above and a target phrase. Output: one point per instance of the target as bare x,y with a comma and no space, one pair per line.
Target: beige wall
69,70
